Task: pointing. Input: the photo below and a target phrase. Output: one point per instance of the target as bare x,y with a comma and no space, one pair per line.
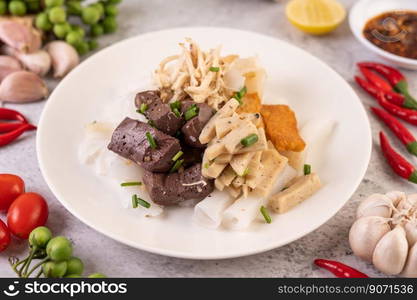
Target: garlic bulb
390,253
365,233
64,57
38,62
385,232
8,65
375,205
22,86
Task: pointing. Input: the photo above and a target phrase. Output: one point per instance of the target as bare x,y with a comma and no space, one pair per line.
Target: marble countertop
101,254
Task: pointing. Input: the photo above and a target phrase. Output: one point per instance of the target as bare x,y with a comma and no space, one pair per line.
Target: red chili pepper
9,137
338,269
13,115
398,163
392,97
376,80
408,115
403,134
394,76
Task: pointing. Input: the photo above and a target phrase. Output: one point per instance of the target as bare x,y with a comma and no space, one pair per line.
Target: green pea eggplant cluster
79,25
53,255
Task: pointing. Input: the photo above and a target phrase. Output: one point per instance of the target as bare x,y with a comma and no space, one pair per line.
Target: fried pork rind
281,128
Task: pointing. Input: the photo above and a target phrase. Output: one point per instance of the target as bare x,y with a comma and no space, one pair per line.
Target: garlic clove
365,233
410,228
375,205
410,268
390,253
20,36
408,202
8,65
64,57
396,197
21,87
38,62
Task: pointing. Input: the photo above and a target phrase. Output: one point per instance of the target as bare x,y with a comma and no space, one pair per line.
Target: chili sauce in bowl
394,32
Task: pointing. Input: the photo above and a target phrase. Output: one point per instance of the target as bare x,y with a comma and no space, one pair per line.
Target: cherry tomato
4,236
26,213
11,187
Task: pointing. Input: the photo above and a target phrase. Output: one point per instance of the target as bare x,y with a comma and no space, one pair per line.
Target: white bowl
364,10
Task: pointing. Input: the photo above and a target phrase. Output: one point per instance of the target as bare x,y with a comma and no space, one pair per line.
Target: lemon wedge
315,16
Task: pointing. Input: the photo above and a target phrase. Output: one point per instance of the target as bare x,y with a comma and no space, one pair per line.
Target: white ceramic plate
364,10
312,89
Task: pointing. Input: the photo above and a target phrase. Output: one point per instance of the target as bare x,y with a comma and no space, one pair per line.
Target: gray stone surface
340,50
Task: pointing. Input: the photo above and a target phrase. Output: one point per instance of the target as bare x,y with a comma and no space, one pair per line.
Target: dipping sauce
395,32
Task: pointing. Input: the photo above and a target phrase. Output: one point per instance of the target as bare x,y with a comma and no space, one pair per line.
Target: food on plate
145,145
27,212
11,187
315,16
281,128
397,162
299,191
397,35
204,138
170,189
393,86
385,234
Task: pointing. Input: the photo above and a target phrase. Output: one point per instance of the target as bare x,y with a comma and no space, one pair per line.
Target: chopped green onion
176,105
151,140
307,169
176,112
134,201
239,95
176,166
249,140
131,183
177,156
143,202
206,165
265,214
214,69
151,123
246,172
143,108
191,112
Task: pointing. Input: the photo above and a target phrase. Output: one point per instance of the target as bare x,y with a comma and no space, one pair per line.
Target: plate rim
179,253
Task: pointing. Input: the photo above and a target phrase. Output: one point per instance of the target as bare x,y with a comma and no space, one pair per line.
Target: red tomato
26,213
11,187
4,236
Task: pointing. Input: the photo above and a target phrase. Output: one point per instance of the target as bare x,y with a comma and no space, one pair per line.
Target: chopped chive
176,166
240,94
176,112
249,140
151,140
142,202
307,169
265,214
191,112
131,183
143,108
214,69
177,156
151,123
134,201
246,172
176,105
